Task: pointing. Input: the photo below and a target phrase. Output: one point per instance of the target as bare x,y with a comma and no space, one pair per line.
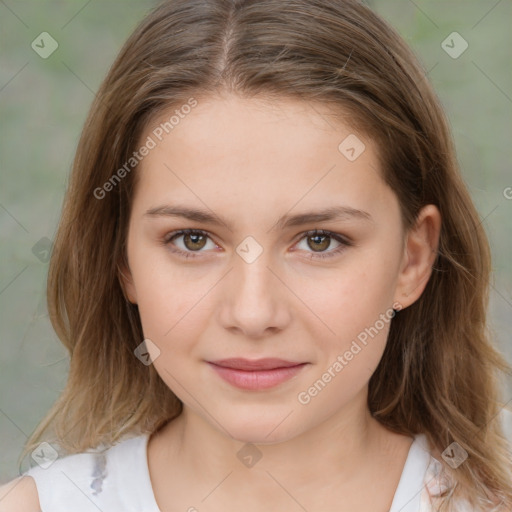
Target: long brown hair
439,372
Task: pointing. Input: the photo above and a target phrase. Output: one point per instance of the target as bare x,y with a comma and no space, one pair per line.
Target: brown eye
193,241
319,242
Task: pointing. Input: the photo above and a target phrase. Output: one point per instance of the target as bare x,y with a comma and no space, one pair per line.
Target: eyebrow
286,221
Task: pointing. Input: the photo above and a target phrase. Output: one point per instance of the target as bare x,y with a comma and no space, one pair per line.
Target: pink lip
256,374
268,363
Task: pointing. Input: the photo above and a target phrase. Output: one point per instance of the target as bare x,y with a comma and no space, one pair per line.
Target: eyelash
315,232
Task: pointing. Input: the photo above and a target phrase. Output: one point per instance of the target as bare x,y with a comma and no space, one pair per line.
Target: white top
117,480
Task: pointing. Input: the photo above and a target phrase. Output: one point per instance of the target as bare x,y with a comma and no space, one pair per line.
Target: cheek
348,358
339,382
166,309
166,293
352,299
356,307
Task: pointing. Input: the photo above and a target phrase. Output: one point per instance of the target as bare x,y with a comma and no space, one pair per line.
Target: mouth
256,374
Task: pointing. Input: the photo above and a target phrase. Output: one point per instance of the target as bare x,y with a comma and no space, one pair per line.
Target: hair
439,371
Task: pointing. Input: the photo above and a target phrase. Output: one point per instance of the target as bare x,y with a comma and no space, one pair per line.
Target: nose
255,300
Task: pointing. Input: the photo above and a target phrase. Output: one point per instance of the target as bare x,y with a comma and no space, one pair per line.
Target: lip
256,374
267,363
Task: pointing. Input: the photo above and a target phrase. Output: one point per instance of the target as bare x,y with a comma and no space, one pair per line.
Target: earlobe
126,281
420,252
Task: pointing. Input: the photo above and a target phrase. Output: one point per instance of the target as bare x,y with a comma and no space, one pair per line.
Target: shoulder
74,478
49,485
19,494
89,480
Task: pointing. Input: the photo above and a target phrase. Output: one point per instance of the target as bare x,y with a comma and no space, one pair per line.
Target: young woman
271,280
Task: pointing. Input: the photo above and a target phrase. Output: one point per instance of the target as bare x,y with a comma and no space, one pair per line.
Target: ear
420,252
126,281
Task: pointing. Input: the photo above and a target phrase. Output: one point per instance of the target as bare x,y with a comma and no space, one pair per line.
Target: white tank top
118,480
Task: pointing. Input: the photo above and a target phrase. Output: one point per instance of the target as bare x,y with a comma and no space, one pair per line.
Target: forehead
243,125
233,150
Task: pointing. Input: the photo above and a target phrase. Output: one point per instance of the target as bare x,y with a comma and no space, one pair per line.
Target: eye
319,240
194,240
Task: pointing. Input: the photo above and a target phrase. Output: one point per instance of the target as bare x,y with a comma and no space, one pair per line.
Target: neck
337,451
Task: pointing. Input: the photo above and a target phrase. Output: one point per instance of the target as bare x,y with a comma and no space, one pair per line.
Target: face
264,272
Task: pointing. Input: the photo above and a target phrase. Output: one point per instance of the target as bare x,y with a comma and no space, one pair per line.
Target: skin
251,162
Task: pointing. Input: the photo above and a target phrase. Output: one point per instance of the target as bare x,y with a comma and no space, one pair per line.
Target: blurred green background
44,102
